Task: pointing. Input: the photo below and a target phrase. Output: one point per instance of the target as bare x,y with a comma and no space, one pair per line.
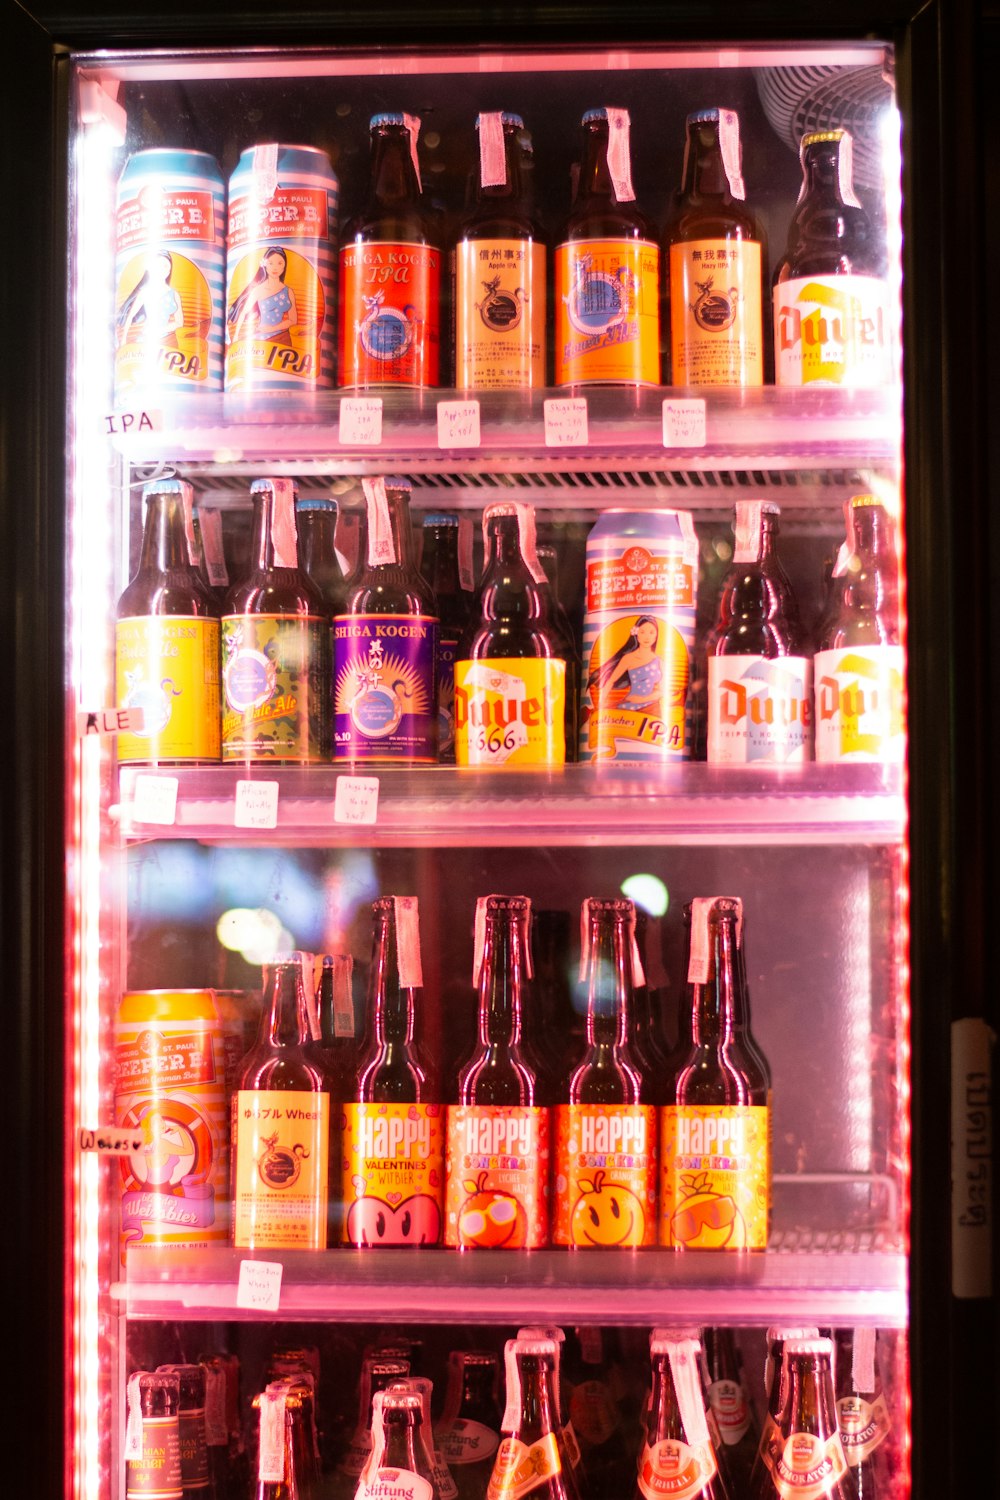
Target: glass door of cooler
188,878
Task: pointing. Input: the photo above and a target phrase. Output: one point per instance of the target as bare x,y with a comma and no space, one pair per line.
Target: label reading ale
715,1176
833,330
168,665
675,1471
519,1469
606,1175
716,323
759,710
384,673
389,314
510,711
500,312
393,1173
808,1467
608,312
863,1426
728,1401
281,1144
859,704
276,683
157,1475
498,1177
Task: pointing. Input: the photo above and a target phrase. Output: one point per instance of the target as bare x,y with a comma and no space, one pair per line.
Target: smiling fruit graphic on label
490,1218
706,1220
607,1214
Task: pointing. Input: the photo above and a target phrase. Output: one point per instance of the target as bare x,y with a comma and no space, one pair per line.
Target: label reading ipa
390,316
281,1144
500,312
859,704
168,666
393,1173
833,330
607,312
606,1175
760,710
716,323
498,1176
715,1177
384,673
510,711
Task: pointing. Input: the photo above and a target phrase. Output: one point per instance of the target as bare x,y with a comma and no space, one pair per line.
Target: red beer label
498,1176
390,314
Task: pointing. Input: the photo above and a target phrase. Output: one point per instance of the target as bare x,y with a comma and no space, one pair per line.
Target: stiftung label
393,1174
384,674
394,1484
859,698
276,688
863,1426
500,313
715,1175
281,1144
497,1177
390,314
606,1175
466,1442
519,1469
168,666
760,710
607,313
833,330
716,322
675,1471
510,711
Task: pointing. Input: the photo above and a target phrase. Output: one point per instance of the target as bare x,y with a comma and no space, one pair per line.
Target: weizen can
280,303
170,1090
169,267
638,635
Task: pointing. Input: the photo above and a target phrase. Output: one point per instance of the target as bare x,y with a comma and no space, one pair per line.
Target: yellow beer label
393,1174
168,665
518,1469
833,330
863,1426
608,312
157,1475
716,318
715,1176
510,711
605,1175
808,1467
859,713
675,1471
500,315
281,1152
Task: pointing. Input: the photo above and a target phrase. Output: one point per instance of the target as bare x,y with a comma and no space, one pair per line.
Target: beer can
638,636
280,300
170,1091
169,266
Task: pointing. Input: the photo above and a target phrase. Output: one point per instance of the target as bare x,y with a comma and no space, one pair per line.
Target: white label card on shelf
360,421
458,424
154,799
111,1140
110,721
356,799
684,423
121,423
256,804
566,422
260,1285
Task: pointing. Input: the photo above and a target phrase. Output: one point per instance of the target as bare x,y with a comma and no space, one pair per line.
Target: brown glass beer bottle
862,1412
800,1448
677,1455
316,521
398,1467
530,1459
468,1433
441,566
152,1436
196,1478
730,1404
378,1372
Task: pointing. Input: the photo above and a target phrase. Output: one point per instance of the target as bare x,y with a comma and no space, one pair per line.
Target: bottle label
276,688
675,1470
510,711
760,710
607,312
805,1466
281,1144
728,1401
605,1188
519,1469
500,315
194,1453
393,1174
716,317
714,1186
859,692
168,666
593,1411
833,330
394,1484
446,654
498,1177
384,687
390,295
863,1426
466,1442
157,1474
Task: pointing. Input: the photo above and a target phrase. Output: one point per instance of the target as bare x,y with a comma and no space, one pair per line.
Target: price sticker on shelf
566,422
684,423
360,421
128,423
256,804
260,1285
110,721
458,424
355,799
154,799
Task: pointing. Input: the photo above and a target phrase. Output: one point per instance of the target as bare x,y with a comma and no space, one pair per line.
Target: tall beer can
280,301
169,266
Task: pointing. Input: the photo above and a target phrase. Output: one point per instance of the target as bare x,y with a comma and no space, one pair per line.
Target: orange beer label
281,1145
806,1467
500,315
390,314
157,1474
498,1177
675,1471
607,312
518,1469
168,665
510,711
715,1176
716,321
605,1175
393,1173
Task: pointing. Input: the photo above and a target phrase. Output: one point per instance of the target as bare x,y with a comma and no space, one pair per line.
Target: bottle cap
165,487
397,482
387,117
808,1347
708,116
440,518
860,502
328,505
817,137
507,119
594,114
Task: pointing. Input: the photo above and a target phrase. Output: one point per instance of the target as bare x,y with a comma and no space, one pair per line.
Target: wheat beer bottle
316,522
715,1149
152,1436
451,583
167,639
800,1449
468,1433
731,1407
862,1412
531,1459
398,1467
677,1457
716,262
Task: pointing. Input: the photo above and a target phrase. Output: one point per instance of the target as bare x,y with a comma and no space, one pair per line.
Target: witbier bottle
800,1448
468,1433
677,1457
530,1459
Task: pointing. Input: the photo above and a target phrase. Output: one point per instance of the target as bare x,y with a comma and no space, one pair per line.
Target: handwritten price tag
110,1141
111,721
120,423
458,424
356,799
260,1285
684,424
155,799
360,423
566,422
256,804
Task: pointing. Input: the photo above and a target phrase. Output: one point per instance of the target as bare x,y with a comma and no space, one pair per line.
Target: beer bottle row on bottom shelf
683,1427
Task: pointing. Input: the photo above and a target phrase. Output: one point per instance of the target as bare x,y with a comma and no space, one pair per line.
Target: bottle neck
511,191
272,544
391,1006
316,531
539,1413
398,505
401,1442
704,174
808,1404
609,981
501,979
821,176
664,1418
164,538
439,563
595,174
503,549
393,182
718,1007
285,1020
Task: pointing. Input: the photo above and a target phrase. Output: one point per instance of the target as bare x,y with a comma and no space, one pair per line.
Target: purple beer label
385,688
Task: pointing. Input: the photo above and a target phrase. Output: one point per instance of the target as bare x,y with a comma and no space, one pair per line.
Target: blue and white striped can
280,307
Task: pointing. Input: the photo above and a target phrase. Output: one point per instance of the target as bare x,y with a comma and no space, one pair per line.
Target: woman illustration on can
269,298
153,307
636,665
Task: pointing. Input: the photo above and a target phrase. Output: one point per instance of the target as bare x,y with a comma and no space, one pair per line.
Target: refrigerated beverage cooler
500,1007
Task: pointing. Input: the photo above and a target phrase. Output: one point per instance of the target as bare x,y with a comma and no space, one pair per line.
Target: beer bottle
801,1446
609,1111
299,1367
152,1436
351,539
440,566
677,1455
730,1404
500,272
530,1458
444,1483
196,1478
510,677
335,1009
468,1433
285,1469
759,708
378,1372
596,1415
568,1445
393,1163
316,522
385,644
647,1043
858,669
167,640
718,1105
227,1457
565,637
390,270
716,257
862,1412
773,1392
208,552
497,1111
398,1467
281,1123
832,318
607,272
275,645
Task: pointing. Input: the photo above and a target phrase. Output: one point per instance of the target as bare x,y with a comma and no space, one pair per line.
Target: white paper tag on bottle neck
749,529
466,568
729,142
689,538
381,548
210,526
863,1360
687,1384
591,1345
412,123
271,1460
512,1410
265,173
343,1000
190,530
638,973
133,1424
347,541
701,953
408,942
377,1452
526,533
619,154
453,1390
283,534
846,550
584,939
492,157
312,967
216,1424
479,940
845,167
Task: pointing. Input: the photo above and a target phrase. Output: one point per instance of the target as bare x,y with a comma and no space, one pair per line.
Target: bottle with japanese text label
677,1457
167,639
196,1478
862,1412
607,269
378,1372
759,677
152,1437
833,322
446,563
316,523
606,1149
498,1129
281,1122
715,272
730,1404
510,676
393,1162
801,1455
398,1466
275,645
390,270
385,644
530,1459
858,669
468,1433
715,1126
500,290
